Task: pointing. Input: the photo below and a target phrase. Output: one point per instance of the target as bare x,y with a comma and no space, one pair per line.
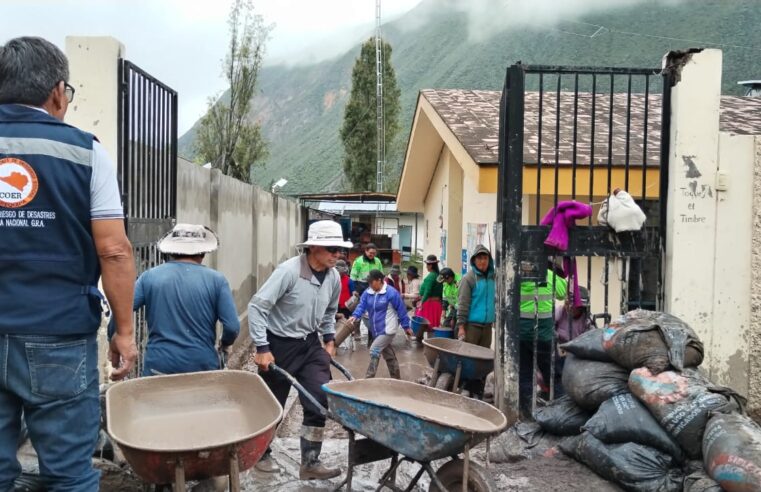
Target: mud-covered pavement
539,473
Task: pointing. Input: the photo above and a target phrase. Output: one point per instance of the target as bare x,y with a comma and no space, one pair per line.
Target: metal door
575,134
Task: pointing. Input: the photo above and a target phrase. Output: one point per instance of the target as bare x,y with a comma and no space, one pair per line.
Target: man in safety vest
537,319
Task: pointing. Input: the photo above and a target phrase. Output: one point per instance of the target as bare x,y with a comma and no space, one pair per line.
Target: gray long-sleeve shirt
293,304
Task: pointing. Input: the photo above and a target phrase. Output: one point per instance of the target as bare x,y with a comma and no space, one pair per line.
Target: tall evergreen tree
359,129
226,137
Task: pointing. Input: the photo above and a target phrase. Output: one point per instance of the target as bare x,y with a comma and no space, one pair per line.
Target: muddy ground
541,474
522,474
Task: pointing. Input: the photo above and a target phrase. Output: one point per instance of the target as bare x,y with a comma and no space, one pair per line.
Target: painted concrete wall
454,213
692,217
94,72
435,206
257,230
729,343
754,336
713,236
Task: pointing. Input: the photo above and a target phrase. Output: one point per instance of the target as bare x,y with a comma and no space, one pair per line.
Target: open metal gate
575,134
147,167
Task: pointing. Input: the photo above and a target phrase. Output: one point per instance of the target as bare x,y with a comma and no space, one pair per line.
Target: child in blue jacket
386,310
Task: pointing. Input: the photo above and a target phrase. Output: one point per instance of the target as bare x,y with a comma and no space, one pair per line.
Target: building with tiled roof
450,168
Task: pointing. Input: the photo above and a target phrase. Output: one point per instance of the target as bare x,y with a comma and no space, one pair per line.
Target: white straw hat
188,239
325,233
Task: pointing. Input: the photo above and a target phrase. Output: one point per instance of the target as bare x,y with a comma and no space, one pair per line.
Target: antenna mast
380,142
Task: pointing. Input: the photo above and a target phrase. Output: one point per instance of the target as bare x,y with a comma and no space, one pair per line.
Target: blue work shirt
183,302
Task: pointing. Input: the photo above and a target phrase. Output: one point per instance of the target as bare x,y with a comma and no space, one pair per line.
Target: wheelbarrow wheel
450,475
445,381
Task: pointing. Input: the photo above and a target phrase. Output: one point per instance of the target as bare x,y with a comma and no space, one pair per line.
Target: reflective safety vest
537,299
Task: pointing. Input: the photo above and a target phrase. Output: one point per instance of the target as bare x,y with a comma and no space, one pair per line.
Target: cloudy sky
182,42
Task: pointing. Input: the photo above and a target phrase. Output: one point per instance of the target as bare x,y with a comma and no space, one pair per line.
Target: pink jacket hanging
563,217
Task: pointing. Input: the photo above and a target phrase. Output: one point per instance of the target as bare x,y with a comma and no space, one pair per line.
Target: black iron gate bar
522,245
147,167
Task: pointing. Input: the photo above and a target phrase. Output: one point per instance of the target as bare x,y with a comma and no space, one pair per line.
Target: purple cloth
562,218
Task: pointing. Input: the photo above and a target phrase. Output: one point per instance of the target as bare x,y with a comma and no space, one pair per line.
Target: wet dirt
222,407
458,347
559,474
545,474
434,405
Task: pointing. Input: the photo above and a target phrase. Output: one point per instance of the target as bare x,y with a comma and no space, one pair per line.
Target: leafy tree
359,129
226,136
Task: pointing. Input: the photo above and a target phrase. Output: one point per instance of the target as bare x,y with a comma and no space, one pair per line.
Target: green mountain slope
301,108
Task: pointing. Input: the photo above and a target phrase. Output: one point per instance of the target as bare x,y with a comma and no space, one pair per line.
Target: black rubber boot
311,468
393,368
372,368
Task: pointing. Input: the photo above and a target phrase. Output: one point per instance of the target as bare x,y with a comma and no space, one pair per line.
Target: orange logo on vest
18,183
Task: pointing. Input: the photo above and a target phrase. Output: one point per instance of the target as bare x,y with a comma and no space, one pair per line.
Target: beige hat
325,233
188,239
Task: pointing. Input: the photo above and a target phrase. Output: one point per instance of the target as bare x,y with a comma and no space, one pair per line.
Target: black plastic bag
624,419
654,340
633,466
591,382
588,345
732,452
562,417
682,403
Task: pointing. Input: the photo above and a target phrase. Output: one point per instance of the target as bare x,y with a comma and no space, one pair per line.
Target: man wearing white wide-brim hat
290,317
184,300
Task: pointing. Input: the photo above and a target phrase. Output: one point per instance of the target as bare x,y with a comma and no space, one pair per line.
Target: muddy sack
732,452
591,382
523,441
624,419
654,340
633,466
682,403
588,345
562,417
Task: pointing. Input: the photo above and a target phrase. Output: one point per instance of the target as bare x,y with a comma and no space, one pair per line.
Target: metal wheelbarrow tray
192,426
419,422
464,360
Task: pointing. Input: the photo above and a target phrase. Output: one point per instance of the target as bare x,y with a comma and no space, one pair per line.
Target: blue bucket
417,322
442,333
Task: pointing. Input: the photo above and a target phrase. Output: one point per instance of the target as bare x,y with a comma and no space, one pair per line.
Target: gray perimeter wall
257,230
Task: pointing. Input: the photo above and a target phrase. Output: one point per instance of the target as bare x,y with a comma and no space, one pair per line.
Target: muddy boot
372,368
393,368
267,464
311,468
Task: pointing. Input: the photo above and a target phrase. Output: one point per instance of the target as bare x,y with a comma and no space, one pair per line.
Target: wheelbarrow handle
341,368
302,390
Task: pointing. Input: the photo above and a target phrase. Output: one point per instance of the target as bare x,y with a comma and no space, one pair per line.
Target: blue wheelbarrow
454,361
404,421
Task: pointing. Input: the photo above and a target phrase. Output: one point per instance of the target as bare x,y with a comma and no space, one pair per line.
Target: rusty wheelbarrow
456,359
192,426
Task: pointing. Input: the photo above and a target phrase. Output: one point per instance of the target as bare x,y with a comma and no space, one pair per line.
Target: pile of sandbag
641,414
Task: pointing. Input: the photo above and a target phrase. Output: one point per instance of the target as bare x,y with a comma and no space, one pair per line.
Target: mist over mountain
456,44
